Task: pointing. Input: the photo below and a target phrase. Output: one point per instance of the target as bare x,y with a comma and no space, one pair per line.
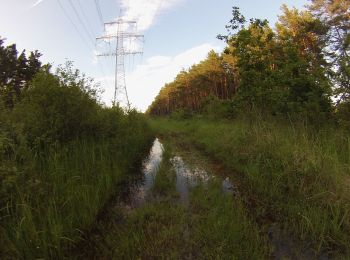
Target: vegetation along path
182,208
249,148
189,205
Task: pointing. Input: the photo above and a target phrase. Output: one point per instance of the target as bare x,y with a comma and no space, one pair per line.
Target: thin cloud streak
37,3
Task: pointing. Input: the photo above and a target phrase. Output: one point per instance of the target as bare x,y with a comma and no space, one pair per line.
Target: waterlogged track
178,207
189,174
184,206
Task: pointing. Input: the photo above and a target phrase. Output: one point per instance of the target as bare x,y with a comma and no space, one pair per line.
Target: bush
343,114
52,112
213,107
62,154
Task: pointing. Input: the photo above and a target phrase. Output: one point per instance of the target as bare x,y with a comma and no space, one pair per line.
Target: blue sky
178,33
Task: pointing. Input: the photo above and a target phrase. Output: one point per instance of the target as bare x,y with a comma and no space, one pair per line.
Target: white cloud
145,11
147,79
37,3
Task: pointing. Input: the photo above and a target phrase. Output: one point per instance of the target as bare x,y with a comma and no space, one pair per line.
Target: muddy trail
183,205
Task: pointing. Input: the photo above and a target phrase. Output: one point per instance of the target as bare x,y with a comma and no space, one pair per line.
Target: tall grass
292,174
62,155
220,227
213,225
67,187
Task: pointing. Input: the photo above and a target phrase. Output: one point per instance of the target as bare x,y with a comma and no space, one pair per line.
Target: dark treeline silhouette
16,71
300,67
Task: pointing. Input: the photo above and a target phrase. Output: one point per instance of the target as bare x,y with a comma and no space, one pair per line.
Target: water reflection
188,176
149,170
228,187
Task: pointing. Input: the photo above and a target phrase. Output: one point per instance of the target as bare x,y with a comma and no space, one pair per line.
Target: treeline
62,155
299,68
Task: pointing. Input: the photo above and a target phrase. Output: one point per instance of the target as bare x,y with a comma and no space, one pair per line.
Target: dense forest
62,154
298,68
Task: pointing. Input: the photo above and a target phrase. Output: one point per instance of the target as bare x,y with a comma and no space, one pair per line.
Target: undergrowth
62,155
292,174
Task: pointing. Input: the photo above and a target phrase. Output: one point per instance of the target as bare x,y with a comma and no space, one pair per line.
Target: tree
335,15
275,71
302,63
282,70
211,77
16,71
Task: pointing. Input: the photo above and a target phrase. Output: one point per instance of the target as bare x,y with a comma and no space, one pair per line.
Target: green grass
292,175
164,182
153,231
220,227
66,188
213,225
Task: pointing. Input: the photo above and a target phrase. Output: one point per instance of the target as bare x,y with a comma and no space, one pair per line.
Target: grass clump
154,231
211,225
164,186
291,174
220,227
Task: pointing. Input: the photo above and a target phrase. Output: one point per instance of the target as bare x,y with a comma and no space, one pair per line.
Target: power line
98,8
87,43
74,25
101,67
80,20
85,17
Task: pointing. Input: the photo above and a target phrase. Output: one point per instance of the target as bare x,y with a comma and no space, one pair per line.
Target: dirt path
184,206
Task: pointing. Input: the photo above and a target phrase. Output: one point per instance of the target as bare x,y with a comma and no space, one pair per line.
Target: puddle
150,166
191,171
188,175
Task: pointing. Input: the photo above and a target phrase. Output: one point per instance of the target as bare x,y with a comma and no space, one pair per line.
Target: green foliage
51,112
214,108
343,114
335,16
287,71
281,71
62,154
212,77
220,220
181,114
16,71
291,174
212,225
164,186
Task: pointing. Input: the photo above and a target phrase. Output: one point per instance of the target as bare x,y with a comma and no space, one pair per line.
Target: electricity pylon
125,33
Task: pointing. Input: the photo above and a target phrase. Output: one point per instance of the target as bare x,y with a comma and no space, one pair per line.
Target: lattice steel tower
125,34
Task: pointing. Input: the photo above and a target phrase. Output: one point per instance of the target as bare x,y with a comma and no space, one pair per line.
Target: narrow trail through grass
197,206
207,223
292,180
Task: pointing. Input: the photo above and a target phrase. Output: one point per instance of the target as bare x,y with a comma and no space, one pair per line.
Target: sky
177,34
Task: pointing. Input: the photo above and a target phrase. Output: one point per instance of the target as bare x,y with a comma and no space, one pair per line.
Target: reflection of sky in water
149,169
227,186
187,177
